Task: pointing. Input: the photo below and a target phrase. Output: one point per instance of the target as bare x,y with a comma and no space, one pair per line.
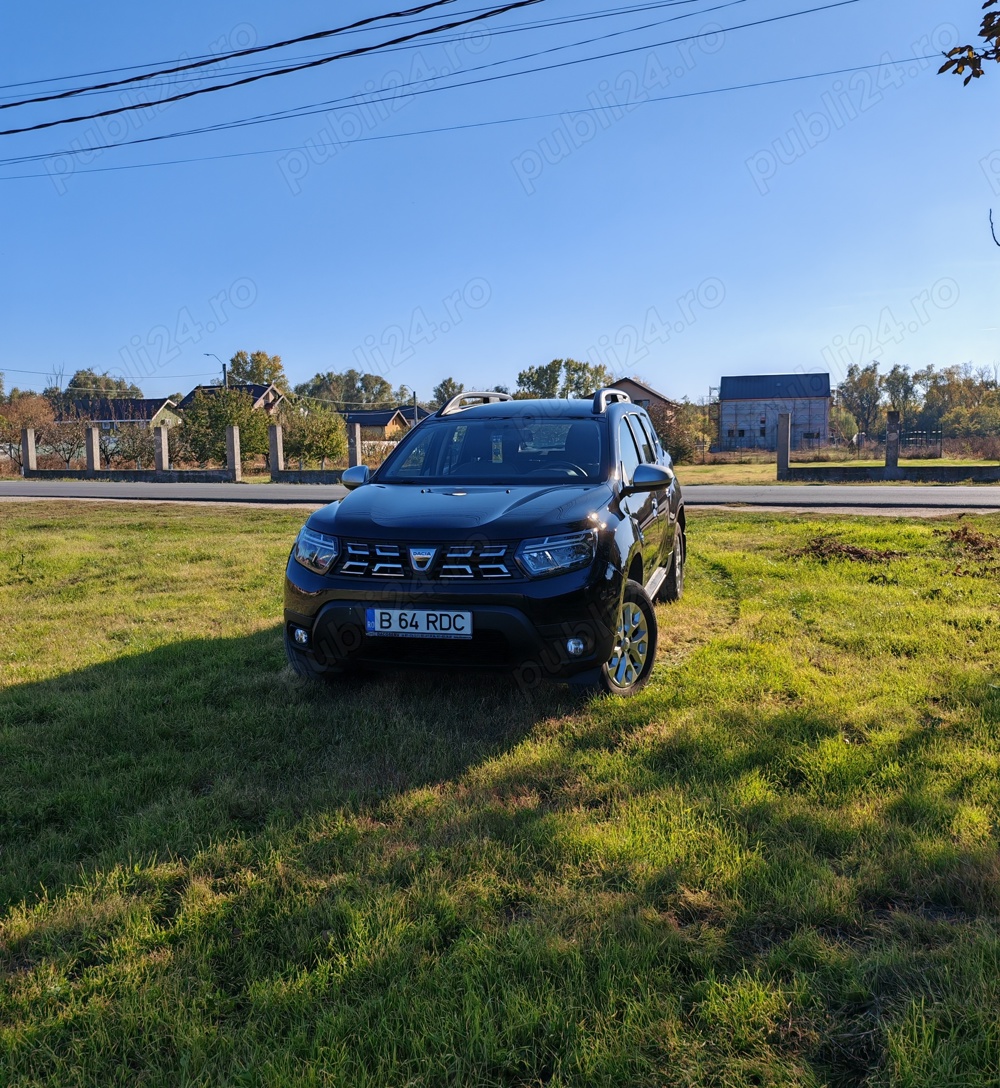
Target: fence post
891,445
784,443
29,460
93,448
277,446
233,454
353,444
161,449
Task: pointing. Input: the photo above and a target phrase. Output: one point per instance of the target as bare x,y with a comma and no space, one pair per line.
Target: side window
642,440
629,454
647,426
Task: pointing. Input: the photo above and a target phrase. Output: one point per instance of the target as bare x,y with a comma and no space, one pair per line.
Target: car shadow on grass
154,755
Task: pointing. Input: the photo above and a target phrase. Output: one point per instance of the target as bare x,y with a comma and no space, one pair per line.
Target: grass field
733,473
776,866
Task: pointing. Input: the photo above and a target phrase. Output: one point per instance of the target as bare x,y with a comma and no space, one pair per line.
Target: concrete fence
891,470
163,473
160,473
282,475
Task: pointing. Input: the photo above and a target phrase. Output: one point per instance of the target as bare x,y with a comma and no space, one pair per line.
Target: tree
540,381
87,387
101,385
130,444
968,56
861,394
203,432
258,368
977,422
583,379
349,390
950,388
366,391
67,439
563,378
901,391
445,390
679,430
17,411
313,433
843,426
328,387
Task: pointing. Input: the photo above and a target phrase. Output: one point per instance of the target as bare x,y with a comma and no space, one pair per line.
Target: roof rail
456,404
604,397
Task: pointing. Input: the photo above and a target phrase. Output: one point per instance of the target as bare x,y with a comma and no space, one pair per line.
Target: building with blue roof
749,406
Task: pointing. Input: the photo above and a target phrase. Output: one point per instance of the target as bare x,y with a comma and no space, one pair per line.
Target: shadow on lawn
709,873
154,755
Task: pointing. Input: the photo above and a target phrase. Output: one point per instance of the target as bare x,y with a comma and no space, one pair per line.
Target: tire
673,584
631,663
305,665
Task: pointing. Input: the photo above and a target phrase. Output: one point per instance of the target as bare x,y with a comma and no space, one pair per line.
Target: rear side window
642,440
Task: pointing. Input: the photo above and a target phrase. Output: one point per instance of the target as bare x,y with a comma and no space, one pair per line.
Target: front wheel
628,668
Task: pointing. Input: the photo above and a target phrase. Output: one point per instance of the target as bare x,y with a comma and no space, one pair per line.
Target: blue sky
677,236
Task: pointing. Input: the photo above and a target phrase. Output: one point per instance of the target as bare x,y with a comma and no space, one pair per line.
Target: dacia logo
421,559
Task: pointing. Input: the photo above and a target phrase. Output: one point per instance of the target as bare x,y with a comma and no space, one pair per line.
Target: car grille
451,562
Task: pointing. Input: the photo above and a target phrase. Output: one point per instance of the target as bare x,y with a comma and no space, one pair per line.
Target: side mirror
355,476
649,478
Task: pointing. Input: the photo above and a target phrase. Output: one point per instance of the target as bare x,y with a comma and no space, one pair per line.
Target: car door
642,506
659,525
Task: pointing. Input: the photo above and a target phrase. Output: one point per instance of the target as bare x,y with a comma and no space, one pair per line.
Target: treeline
960,401
314,433
312,416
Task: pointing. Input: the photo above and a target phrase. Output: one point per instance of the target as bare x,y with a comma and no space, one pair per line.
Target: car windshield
503,451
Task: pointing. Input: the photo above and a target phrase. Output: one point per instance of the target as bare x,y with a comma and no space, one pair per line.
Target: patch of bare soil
825,548
978,552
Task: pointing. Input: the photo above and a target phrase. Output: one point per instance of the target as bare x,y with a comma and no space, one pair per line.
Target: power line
499,121
250,51
134,67
322,107
327,106
513,29
359,51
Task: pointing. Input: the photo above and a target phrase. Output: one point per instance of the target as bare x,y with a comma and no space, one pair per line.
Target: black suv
528,535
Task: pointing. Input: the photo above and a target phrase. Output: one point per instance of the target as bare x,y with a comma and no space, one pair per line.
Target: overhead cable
222,57
328,106
359,51
489,124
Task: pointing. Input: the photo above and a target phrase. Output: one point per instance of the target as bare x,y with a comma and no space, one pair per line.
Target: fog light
300,636
574,647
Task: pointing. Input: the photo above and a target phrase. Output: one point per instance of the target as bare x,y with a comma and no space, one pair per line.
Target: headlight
555,554
316,551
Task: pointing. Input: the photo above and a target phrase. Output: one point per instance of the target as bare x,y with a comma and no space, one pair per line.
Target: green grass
756,473
776,866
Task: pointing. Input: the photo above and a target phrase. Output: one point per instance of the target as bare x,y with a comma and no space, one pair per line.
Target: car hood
404,511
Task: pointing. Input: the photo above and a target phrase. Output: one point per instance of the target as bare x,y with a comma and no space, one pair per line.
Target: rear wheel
673,584
628,668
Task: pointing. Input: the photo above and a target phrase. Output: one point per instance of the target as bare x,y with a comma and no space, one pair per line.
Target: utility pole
225,373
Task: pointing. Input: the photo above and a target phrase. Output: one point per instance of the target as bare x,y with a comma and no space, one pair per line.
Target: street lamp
225,375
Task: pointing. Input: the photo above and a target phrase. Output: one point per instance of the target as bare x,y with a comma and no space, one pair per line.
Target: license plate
418,623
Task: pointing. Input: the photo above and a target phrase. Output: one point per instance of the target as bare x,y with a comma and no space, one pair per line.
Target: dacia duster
526,535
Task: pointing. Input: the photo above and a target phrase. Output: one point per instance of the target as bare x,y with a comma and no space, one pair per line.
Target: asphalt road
865,498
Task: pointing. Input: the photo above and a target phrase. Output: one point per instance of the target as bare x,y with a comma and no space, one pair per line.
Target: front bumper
523,626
